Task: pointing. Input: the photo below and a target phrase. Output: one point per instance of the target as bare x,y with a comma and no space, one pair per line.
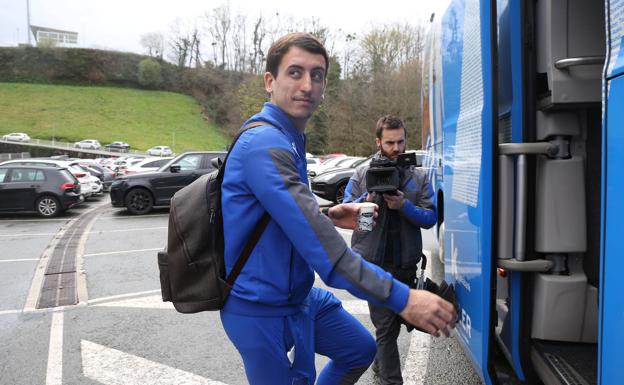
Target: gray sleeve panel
357,177
343,260
426,192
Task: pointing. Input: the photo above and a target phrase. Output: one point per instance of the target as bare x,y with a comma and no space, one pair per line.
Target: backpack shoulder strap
260,226
240,133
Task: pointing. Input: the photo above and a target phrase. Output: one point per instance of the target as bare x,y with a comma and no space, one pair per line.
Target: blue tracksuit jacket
266,171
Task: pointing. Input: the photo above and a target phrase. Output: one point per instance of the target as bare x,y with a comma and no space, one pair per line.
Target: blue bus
523,116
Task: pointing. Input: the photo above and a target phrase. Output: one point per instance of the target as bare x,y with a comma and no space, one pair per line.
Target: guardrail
65,146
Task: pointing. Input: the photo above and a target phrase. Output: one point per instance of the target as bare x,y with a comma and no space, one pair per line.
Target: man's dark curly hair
389,122
302,40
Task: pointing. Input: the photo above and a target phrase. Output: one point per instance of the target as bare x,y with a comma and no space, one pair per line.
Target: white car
160,151
147,165
90,144
317,169
16,137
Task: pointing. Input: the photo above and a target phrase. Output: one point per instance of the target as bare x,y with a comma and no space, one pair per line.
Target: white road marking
124,230
417,356
15,311
119,296
27,235
111,366
122,252
81,275
134,216
149,302
19,260
54,373
2,221
17,235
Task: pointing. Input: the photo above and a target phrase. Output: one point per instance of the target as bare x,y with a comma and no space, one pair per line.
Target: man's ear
268,82
378,142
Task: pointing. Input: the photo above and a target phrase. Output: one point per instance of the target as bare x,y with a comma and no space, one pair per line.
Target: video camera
383,174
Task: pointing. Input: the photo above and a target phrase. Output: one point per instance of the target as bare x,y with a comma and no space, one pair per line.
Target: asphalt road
121,332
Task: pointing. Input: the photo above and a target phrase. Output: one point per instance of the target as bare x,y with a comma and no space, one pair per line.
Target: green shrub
150,74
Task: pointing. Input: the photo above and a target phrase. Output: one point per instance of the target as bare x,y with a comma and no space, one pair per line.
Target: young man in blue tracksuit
274,316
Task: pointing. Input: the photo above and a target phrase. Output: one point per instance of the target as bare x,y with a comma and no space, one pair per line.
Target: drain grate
58,290
59,280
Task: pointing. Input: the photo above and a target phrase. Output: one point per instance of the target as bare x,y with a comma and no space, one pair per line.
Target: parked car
47,190
90,144
331,184
314,170
139,193
160,151
16,137
84,178
117,147
147,165
348,162
120,165
105,174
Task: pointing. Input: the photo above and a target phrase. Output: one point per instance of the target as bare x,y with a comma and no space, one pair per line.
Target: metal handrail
579,61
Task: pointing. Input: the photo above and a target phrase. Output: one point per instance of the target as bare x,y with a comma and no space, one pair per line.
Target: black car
139,193
47,190
117,146
331,184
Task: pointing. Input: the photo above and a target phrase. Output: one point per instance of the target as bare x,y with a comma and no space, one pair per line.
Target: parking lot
121,332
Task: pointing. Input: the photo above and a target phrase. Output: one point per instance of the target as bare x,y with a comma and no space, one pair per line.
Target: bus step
565,363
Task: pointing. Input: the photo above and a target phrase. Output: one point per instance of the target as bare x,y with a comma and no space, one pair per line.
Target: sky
119,24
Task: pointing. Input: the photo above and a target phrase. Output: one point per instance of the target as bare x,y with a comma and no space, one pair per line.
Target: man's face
392,142
299,85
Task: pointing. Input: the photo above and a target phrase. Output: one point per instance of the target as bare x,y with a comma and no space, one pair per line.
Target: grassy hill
141,118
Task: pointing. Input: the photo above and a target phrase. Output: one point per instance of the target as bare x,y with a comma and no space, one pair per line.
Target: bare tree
179,43
239,43
194,55
219,25
257,55
154,43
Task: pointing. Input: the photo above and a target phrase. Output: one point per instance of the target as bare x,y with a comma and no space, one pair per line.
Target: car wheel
48,206
340,191
139,201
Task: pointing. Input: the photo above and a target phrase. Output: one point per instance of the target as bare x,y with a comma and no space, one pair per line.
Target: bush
150,73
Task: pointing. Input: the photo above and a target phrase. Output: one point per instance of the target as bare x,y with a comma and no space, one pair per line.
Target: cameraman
395,243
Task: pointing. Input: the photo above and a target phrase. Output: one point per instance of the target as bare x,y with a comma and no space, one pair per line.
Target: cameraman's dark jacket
417,212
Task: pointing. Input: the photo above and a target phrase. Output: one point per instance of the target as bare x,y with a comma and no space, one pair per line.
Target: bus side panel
611,317
469,131
612,287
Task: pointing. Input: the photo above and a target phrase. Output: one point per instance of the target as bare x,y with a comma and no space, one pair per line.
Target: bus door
469,132
548,252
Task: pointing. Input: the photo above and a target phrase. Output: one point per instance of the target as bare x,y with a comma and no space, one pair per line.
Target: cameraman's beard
392,156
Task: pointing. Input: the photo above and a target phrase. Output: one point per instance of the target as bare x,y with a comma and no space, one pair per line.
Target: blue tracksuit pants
280,350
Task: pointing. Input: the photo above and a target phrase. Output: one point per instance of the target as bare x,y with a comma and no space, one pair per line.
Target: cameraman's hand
395,202
429,312
345,215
